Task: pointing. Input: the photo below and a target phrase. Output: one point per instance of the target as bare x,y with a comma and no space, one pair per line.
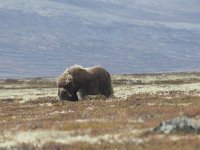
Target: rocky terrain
147,111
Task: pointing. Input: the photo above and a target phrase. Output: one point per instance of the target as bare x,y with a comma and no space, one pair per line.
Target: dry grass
114,123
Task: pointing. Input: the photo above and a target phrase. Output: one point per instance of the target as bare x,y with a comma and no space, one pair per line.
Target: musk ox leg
106,89
75,98
80,94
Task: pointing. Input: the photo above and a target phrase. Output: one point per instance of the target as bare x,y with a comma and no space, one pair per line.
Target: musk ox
84,81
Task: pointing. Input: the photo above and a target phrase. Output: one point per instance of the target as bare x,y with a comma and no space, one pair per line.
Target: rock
179,124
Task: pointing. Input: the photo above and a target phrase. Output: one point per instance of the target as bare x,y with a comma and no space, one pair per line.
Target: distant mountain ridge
42,38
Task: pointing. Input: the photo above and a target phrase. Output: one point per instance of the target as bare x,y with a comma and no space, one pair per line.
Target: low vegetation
126,121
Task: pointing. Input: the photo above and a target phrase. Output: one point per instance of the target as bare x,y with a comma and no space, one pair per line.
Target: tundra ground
32,117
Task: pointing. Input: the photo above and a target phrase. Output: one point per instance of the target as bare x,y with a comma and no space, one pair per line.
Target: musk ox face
66,88
64,94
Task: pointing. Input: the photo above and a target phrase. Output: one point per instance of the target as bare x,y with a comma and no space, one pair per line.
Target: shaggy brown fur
86,81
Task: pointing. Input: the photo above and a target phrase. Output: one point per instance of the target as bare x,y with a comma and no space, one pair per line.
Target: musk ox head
66,87
84,81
